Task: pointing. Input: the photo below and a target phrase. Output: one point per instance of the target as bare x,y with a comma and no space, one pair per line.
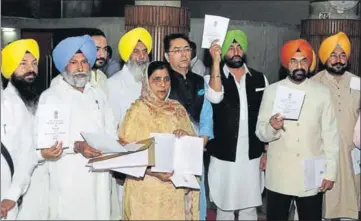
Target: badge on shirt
355,83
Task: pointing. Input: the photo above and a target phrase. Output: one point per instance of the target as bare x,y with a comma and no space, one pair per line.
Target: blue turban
65,50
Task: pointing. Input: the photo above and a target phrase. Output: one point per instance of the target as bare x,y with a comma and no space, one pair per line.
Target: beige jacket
314,134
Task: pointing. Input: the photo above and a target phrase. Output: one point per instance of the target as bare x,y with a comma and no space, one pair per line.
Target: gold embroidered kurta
344,199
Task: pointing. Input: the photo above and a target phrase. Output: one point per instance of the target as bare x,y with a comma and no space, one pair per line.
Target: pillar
160,18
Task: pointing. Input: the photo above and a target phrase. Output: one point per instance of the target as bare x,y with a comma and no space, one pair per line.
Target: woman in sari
154,197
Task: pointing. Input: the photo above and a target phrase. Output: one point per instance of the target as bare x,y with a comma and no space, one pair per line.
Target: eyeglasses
181,50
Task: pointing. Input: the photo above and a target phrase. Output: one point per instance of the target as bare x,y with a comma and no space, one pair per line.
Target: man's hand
53,152
180,133
86,150
276,121
215,51
263,161
326,185
6,206
165,177
122,141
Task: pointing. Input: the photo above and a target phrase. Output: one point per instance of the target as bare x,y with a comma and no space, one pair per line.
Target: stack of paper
288,102
133,161
183,156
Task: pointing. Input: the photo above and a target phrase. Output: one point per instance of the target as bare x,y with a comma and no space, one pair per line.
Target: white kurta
16,136
236,185
122,91
75,192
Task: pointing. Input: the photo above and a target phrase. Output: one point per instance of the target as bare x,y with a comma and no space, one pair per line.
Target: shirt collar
226,70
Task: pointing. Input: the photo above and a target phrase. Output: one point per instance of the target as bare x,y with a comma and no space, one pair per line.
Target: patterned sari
150,198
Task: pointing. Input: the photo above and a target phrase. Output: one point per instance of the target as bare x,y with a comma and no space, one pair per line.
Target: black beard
230,62
100,66
337,68
27,90
298,75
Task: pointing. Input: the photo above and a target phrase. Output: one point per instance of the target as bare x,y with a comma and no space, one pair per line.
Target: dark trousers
308,208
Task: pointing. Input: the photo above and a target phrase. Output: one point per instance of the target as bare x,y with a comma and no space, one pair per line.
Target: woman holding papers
154,197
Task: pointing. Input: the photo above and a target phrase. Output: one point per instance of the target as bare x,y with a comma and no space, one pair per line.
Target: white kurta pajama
236,185
75,192
122,91
17,138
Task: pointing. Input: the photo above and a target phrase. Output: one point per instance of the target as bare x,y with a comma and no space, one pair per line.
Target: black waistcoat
189,92
226,117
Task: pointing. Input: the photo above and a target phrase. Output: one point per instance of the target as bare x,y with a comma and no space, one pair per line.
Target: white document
215,28
288,102
137,159
355,83
185,180
355,155
107,143
314,172
53,124
137,172
182,155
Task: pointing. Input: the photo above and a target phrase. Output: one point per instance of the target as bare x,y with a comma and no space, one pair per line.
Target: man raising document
291,142
76,193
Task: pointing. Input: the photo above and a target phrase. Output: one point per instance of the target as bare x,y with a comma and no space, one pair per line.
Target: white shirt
16,135
198,66
236,185
123,90
75,192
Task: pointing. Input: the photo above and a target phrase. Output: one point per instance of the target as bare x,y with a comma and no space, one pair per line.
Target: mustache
338,64
299,71
30,73
100,59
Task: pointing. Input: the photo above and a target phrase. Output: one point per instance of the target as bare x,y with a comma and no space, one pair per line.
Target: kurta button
298,124
298,140
298,154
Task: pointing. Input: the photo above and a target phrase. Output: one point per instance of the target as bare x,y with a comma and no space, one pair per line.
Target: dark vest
189,92
226,117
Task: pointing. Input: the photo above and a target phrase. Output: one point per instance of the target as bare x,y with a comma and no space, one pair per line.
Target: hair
157,65
168,38
110,51
96,32
194,48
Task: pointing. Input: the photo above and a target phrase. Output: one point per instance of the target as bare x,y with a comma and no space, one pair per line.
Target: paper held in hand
215,27
108,144
314,172
288,102
142,157
53,123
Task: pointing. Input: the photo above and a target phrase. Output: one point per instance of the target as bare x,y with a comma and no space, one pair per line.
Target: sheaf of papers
183,156
137,172
355,156
215,27
355,83
107,143
314,171
53,122
185,180
288,102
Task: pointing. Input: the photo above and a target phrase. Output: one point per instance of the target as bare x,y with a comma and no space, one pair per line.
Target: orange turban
330,43
289,49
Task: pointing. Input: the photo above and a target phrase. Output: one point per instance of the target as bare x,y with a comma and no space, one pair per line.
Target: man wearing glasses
188,88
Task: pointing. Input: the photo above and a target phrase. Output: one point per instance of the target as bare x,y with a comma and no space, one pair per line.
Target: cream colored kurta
75,192
344,199
314,134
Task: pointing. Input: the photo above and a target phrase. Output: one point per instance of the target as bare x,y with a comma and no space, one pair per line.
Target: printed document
288,102
314,171
215,28
355,155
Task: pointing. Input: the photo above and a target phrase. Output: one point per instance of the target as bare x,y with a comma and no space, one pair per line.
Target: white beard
75,81
137,70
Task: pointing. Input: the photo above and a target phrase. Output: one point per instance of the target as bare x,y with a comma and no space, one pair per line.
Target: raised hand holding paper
215,28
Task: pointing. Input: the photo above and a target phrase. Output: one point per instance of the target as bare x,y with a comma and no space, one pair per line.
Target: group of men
230,108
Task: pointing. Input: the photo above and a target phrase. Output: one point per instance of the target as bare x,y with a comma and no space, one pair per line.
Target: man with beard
189,89
18,158
74,192
343,201
124,87
235,91
291,142
97,77
20,65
